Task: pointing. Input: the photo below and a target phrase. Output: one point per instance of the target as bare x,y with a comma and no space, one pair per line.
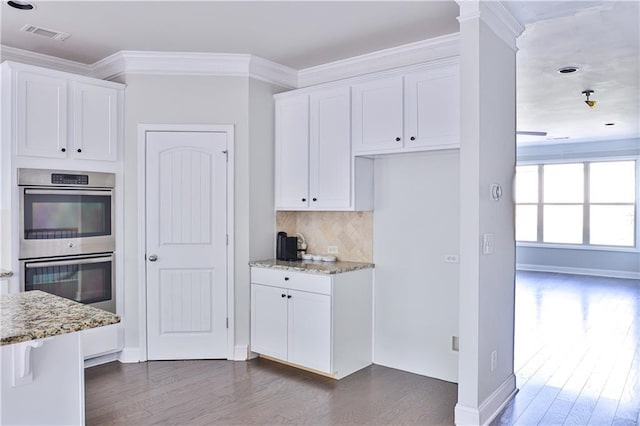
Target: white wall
615,263
197,100
415,223
487,155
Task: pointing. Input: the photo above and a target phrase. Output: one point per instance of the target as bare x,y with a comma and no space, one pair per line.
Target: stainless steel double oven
67,238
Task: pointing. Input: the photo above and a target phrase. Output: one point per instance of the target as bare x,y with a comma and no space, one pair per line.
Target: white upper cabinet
330,149
314,166
416,111
95,118
292,153
432,108
41,115
61,115
377,115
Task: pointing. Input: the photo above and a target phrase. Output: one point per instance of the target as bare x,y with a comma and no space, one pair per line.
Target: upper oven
65,213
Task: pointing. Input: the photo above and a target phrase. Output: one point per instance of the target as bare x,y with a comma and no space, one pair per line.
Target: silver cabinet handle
153,258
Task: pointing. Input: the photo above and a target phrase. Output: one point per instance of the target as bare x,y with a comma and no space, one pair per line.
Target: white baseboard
610,273
130,355
490,407
99,360
240,353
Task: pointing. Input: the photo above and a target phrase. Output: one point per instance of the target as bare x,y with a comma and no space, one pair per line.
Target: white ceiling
600,37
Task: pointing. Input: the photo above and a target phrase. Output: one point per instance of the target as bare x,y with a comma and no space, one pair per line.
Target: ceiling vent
56,35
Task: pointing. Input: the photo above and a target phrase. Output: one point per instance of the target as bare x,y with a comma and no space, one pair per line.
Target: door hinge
226,154
227,239
227,322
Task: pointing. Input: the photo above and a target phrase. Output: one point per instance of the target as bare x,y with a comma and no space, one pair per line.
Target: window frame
586,204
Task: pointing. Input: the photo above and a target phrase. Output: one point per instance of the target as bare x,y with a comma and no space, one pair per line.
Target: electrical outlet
455,343
494,360
487,243
332,249
451,258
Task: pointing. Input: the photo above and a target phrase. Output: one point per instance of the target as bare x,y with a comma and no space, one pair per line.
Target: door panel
309,317
186,230
95,122
269,320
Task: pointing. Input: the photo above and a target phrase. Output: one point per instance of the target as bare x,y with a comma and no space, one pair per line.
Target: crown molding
408,54
195,64
495,15
13,54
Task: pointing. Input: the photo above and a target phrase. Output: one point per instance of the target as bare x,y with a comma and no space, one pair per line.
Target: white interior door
186,244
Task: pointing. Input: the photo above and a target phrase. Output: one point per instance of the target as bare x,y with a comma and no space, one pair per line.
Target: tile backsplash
350,232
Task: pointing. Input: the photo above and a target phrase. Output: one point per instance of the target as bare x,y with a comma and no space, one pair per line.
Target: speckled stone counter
313,267
35,314
5,274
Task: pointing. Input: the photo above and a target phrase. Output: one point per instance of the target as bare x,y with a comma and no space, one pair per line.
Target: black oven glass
51,216
82,282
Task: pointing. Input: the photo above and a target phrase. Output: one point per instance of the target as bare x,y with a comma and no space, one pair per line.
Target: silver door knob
153,258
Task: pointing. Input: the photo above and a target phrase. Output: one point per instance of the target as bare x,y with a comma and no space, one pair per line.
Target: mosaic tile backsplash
351,232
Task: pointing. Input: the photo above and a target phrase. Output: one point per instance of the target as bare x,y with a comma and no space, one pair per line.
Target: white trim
8,53
240,353
496,16
103,359
408,54
130,355
194,64
611,273
490,407
553,246
142,167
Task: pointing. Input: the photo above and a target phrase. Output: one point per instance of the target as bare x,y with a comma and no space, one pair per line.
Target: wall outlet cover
332,249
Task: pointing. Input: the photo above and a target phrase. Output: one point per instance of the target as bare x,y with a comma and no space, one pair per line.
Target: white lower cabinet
319,322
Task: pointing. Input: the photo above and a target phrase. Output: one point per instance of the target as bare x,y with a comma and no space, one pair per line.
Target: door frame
142,233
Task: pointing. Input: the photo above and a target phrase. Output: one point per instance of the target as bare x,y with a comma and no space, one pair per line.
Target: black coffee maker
286,247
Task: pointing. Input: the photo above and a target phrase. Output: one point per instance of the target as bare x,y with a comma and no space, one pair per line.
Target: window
586,203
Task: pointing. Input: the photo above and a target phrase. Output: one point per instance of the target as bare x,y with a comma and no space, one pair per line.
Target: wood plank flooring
577,363
577,357
261,392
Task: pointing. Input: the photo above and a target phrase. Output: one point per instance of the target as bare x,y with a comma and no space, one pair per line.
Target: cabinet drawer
292,280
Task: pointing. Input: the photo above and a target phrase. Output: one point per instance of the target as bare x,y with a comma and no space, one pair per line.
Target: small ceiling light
591,104
609,124
22,5
567,70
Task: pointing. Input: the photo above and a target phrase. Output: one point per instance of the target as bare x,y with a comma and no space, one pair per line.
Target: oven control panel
64,179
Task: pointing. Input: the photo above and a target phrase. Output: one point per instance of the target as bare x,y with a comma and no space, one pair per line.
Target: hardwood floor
577,363
577,357
261,392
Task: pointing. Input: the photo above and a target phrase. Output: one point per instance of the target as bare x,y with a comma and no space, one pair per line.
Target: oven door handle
80,261
67,192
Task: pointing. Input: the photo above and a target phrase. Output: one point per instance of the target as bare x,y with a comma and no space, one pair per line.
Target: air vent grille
56,35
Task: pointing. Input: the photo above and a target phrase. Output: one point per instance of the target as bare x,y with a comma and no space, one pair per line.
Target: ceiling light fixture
591,104
567,70
22,5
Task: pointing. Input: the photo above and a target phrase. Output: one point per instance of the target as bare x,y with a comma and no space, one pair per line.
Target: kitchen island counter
313,267
41,357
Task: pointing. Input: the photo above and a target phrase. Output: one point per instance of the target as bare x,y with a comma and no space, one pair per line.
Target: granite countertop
35,315
5,274
313,267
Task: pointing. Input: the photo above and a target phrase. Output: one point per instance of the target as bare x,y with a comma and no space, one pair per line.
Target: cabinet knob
283,295
63,149
289,297
79,150
397,139
315,199
304,200
286,278
413,138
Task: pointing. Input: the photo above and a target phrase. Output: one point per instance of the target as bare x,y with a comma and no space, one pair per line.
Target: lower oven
87,279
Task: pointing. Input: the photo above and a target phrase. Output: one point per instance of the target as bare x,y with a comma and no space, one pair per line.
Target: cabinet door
41,115
292,153
269,321
310,330
377,115
330,149
95,130
432,109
